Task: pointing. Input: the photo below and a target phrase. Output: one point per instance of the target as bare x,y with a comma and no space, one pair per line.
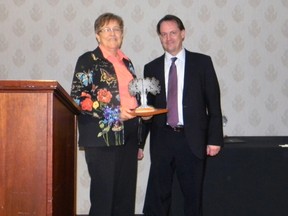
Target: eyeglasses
115,30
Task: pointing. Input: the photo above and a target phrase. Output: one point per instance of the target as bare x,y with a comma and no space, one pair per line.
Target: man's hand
140,154
145,118
213,150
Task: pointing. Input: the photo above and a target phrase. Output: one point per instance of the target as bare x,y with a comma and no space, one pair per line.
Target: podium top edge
52,86
29,84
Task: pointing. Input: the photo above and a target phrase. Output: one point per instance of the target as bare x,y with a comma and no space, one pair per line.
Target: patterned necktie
172,98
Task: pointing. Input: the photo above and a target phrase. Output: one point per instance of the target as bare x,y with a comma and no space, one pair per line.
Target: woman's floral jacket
95,89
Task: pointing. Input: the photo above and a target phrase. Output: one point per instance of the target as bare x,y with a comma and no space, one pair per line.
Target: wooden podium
37,149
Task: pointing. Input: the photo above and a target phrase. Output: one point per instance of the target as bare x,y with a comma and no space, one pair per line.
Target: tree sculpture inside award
143,86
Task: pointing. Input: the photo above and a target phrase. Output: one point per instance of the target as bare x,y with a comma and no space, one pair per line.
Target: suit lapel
189,65
161,78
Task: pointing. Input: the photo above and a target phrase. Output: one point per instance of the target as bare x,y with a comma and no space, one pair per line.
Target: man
181,147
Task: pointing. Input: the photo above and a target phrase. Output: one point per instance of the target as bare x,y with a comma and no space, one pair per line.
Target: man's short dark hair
170,17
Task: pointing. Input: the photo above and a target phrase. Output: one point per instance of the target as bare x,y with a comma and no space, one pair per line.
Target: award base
149,112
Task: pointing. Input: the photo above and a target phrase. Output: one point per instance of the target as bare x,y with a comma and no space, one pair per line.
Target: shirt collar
180,56
106,54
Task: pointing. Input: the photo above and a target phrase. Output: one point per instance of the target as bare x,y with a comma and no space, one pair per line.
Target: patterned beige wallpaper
247,40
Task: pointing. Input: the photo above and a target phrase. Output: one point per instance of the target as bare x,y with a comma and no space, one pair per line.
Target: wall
247,40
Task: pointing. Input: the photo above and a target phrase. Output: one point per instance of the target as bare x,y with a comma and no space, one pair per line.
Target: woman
107,128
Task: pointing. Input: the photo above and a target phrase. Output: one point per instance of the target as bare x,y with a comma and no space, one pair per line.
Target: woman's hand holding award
143,86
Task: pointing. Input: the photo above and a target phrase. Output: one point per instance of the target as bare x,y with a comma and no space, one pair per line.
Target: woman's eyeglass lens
109,30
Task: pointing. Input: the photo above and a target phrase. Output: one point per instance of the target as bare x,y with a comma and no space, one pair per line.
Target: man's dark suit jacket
201,103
